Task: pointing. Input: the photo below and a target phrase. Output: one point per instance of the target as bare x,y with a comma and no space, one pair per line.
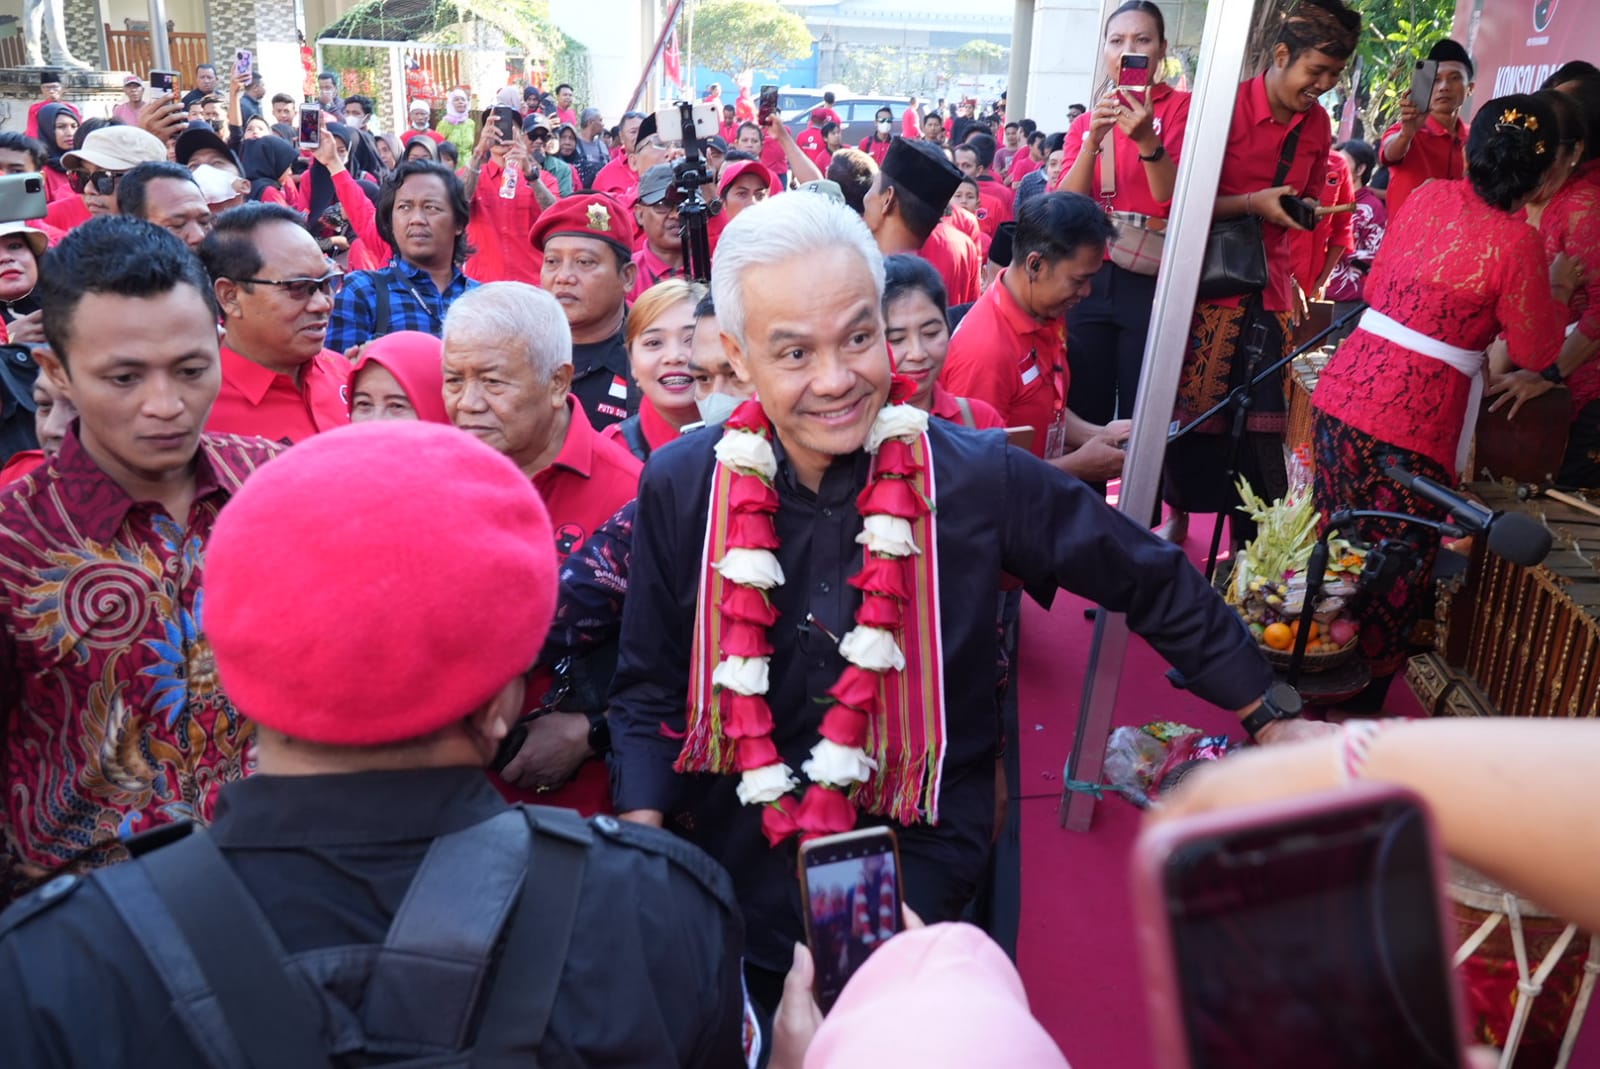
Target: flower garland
750,570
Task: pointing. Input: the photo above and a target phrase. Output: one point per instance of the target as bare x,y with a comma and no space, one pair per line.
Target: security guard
374,598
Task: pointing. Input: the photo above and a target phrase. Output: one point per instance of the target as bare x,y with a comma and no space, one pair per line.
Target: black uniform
651,977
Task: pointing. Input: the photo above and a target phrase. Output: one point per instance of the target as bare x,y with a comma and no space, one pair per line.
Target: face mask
716,409
883,126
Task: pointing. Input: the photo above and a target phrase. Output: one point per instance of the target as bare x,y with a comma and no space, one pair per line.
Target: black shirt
328,859
999,510
602,380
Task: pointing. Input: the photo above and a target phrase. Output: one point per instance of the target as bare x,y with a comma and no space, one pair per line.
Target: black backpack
246,1004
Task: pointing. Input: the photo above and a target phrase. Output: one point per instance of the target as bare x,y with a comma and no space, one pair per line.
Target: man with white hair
507,365
751,604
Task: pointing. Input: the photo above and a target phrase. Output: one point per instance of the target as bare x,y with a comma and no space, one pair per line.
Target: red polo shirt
590,479
947,406
1022,165
957,259
650,269
498,228
1434,153
617,179
1003,355
657,431
256,401
773,157
1170,109
999,203
878,150
1255,143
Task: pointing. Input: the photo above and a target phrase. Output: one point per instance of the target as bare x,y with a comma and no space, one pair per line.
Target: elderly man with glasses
275,290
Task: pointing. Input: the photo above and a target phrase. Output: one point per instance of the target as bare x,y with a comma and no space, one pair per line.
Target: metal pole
160,47
655,53
1222,53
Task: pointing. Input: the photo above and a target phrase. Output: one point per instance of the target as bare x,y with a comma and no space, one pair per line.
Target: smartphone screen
310,125
1315,944
1133,72
851,884
243,63
1422,79
164,81
767,104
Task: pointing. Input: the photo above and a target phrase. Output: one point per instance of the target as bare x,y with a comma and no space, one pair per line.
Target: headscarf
257,119
285,131
456,107
265,159
426,142
395,147
47,132
415,361
323,195
941,997
509,97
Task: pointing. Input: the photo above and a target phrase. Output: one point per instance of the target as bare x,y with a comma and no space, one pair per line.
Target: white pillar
1066,43
611,32
1017,95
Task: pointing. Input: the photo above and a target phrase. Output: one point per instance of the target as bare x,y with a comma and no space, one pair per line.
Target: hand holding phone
244,65
851,889
310,125
163,83
22,197
767,104
1304,932
1423,76
1300,211
1133,73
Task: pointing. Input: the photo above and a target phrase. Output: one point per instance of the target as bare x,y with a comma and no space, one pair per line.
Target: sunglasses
101,182
303,289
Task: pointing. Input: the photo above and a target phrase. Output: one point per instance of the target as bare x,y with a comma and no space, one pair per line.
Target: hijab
426,142
941,997
255,119
265,159
456,107
414,359
47,132
323,195
396,149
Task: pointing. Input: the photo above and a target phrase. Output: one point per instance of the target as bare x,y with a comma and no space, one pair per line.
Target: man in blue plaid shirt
422,214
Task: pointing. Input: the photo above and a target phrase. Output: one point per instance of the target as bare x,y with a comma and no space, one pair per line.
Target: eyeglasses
663,208
101,182
302,289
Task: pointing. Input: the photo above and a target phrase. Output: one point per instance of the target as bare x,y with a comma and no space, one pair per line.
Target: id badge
1055,440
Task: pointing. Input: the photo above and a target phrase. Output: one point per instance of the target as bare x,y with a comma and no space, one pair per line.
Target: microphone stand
1318,567
1240,397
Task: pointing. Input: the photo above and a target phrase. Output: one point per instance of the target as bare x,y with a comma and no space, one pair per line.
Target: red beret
593,215
378,582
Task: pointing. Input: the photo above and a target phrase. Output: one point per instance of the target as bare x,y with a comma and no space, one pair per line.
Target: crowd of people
337,474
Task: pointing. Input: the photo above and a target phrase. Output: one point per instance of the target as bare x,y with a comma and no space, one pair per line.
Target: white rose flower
766,784
748,452
838,765
873,649
751,567
742,675
896,421
889,535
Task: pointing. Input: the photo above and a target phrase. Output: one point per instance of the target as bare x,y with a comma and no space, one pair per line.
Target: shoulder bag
1139,239
1236,256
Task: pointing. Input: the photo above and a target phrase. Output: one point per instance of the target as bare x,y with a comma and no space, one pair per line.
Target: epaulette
38,902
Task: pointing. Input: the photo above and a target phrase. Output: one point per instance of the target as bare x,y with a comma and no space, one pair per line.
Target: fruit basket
1268,585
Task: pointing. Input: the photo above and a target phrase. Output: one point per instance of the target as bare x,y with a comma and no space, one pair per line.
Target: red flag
670,63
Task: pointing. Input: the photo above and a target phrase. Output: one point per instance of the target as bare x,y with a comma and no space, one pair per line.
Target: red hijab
414,359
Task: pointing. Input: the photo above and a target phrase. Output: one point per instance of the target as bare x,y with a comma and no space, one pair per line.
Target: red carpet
1076,947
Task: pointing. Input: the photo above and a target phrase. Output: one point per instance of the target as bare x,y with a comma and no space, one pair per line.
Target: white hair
780,228
514,313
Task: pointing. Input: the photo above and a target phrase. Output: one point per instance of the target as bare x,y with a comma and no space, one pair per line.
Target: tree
982,54
734,36
1394,35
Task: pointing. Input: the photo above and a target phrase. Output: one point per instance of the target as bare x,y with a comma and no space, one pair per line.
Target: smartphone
22,197
1299,211
766,105
1021,437
164,82
669,122
310,125
1305,932
1133,73
506,121
244,63
851,887
1422,79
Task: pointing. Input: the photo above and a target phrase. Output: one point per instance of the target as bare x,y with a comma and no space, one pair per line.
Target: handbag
1138,240
1236,254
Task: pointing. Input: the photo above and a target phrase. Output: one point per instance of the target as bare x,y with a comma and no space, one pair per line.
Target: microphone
1518,538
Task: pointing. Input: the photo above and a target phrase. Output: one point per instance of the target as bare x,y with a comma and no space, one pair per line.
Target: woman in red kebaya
660,335
1278,147
918,333
1124,153
1404,388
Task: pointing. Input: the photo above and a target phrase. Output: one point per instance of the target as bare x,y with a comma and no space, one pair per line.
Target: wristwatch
1280,702
599,734
1553,374
1159,154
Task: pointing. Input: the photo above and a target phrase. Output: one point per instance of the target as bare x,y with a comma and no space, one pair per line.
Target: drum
1523,973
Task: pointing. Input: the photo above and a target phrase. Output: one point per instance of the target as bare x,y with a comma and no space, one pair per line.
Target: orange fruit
1294,630
1278,636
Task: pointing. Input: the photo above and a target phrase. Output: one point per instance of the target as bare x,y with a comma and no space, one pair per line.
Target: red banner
670,63
1515,44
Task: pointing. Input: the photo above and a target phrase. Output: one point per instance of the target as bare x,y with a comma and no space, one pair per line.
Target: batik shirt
111,719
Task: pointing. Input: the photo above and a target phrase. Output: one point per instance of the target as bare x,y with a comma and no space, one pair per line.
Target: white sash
1467,361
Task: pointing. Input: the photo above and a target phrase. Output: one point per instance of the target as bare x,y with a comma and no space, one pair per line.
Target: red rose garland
750,569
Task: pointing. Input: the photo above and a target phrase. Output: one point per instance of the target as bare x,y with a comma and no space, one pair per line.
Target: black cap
647,128
922,170
1448,51
1000,244
50,77
536,122
718,143
197,137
